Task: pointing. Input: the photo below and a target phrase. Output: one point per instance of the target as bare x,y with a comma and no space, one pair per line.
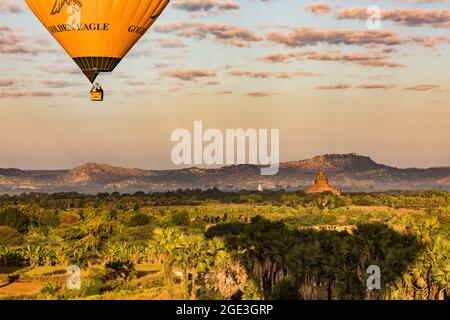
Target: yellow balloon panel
92,29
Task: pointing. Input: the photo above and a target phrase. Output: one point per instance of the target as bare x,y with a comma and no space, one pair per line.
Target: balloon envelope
97,34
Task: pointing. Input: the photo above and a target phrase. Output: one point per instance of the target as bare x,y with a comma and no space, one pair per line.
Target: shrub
180,218
251,291
48,219
136,235
51,288
35,256
197,224
68,218
91,286
138,220
14,218
10,257
86,245
120,269
41,217
59,291
10,236
285,290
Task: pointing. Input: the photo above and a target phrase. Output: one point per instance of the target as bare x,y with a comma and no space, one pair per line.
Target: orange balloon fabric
97,34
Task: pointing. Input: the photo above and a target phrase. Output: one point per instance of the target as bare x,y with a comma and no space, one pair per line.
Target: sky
313,70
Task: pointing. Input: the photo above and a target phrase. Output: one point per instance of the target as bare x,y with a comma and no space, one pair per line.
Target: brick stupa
321,185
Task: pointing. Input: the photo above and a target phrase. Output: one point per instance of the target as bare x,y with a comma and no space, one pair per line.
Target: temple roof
321,185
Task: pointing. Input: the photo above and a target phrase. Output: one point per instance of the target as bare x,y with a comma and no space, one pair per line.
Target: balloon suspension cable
91,75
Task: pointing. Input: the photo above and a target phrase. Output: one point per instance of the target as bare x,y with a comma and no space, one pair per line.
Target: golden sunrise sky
311,69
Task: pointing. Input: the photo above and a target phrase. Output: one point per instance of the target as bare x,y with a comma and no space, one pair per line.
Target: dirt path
20,289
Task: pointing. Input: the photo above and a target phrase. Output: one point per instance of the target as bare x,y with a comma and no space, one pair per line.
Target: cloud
380,77
259,94
7,83
407,17
42,94
365,86
278,57
162,65
318,7
167,43
261,75
12,42
422,87
142,52
375,86
60,84
336,86
135,83
308,36
205,5
224,33
304,36
429,41
7,6
55,69
188,75
33,94
212,83
9,40
363,59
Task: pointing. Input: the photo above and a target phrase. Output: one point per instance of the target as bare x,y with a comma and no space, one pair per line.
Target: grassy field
225,246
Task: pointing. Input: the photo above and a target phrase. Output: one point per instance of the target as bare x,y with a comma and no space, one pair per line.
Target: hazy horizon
314,71
180,167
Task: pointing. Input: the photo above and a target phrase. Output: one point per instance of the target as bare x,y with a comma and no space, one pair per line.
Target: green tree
163,245
226,275
14,218
10,236
86,245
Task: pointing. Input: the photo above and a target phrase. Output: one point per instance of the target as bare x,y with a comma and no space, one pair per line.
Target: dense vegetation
216,245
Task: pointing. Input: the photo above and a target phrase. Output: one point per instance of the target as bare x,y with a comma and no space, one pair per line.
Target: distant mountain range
349,172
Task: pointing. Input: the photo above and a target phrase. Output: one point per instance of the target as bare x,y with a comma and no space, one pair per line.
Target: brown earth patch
20,289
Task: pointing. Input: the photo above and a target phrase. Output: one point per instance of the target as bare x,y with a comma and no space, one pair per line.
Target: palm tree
163,245
227,275
192,256
87,244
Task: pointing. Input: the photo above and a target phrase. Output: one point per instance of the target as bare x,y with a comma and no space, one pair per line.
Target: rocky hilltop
348,172
338,162
100,173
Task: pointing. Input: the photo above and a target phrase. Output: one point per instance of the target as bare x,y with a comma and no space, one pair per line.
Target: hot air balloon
97,34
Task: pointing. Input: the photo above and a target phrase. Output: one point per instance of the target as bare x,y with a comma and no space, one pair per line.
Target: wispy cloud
319,8
188,75
407,17
335,86
422,87
259,94
205,5
301,37
364,59
8,6
224,33
266,74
